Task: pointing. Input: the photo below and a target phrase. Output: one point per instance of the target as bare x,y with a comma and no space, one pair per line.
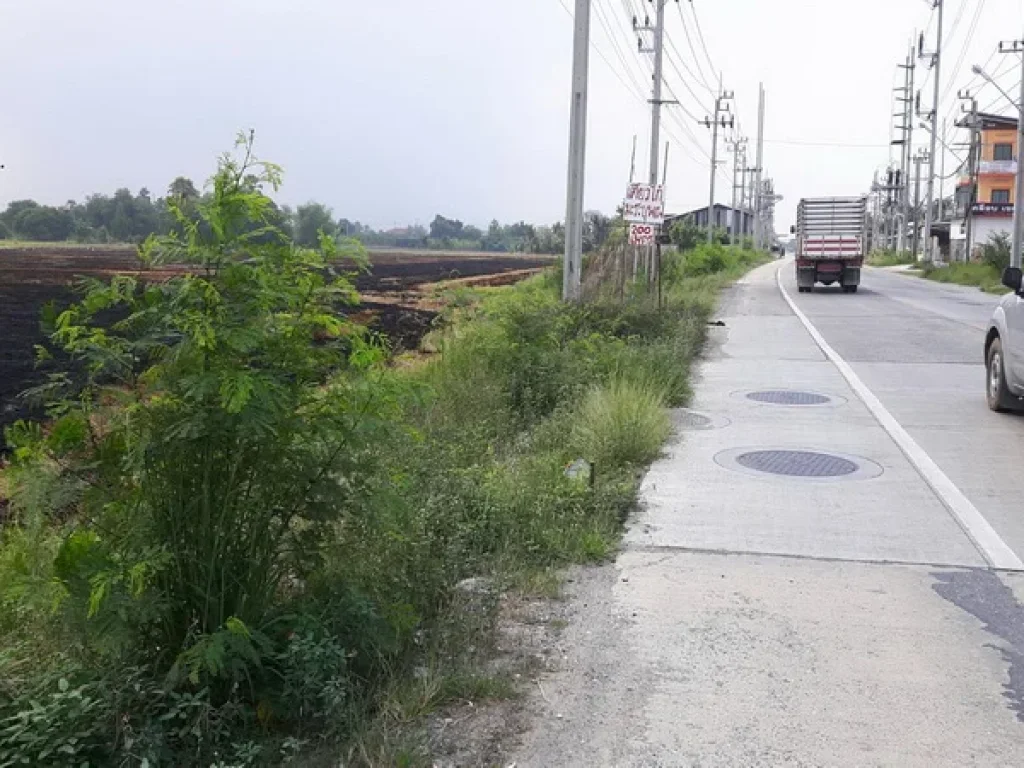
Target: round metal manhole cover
691,420
788,397
687,420
798,464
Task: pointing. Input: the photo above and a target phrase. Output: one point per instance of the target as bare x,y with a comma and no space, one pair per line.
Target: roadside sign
642,234
644,204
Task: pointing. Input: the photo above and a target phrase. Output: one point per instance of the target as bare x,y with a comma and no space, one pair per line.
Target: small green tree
312,219
219,433
996,252
685,234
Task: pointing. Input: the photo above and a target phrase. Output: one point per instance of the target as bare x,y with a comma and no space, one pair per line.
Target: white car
1004,347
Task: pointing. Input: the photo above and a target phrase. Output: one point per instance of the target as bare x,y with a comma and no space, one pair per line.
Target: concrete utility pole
942,174
573,265
750,196
1017,47
936,58
758,224
906,98
721,105
973,158
656,101
659,55
919,159
738,160
632,161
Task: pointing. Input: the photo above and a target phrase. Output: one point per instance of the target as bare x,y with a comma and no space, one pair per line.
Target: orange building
991,209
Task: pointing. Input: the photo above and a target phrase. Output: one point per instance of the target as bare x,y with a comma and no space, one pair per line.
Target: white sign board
642,234
644,204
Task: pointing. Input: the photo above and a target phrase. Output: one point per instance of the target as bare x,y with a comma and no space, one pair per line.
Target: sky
393,112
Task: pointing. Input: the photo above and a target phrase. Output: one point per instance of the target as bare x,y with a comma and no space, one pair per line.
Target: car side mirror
1013,279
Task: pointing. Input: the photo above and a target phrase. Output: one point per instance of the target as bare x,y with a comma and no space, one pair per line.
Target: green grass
984,276
465,479
890,258
624,422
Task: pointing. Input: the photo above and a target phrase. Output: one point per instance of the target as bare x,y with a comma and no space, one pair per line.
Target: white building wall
986,226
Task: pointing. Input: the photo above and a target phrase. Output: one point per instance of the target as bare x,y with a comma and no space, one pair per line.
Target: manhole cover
685,420
806,465
691,420
788,397
797,463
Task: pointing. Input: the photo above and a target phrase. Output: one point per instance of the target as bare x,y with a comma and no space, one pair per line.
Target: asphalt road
859,603
918,345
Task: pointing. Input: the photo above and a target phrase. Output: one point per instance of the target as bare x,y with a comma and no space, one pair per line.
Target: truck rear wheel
849,289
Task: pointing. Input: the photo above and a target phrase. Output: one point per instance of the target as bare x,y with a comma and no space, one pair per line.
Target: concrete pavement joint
668,550
971,521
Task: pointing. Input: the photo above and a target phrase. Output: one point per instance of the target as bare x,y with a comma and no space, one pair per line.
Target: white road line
973,523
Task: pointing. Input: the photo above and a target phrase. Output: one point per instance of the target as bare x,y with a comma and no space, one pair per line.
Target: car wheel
996,392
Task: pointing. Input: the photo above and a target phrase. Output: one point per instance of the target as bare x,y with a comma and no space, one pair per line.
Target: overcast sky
392,112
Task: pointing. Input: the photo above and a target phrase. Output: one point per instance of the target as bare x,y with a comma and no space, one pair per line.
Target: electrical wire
638,96
686,84
672,49
693,51
613,39
802,143
956,22
700,35
963,51
1001,99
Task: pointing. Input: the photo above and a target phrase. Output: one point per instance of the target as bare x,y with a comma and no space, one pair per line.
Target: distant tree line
125,217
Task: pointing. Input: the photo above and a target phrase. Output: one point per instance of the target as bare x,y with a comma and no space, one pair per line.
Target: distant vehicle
1004,347
831,233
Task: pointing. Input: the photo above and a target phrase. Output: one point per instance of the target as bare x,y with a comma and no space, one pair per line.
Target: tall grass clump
623,423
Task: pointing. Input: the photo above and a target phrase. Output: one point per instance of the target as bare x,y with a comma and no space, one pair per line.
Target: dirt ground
395,299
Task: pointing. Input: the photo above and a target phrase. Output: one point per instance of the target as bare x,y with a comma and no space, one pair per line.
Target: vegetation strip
246,539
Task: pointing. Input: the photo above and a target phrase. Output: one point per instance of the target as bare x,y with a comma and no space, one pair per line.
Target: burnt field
30,278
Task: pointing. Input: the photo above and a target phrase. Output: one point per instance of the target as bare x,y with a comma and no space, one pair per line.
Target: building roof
704,208
990,121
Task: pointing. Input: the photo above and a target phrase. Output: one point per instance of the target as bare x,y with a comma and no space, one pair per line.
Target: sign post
644,210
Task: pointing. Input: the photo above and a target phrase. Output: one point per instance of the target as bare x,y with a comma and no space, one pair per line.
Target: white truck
831,238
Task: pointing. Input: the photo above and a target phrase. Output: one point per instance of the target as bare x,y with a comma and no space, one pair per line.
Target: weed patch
241,540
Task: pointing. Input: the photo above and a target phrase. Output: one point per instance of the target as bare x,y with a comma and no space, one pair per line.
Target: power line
615,45
963,51
1000,99
684,81
639,97
700,35
802,143
956,22
696,59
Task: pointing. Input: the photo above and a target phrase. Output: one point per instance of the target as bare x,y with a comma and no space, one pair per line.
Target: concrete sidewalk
760,619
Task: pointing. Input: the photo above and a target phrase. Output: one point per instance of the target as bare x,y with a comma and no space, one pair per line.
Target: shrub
223,426
623,423
996,252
